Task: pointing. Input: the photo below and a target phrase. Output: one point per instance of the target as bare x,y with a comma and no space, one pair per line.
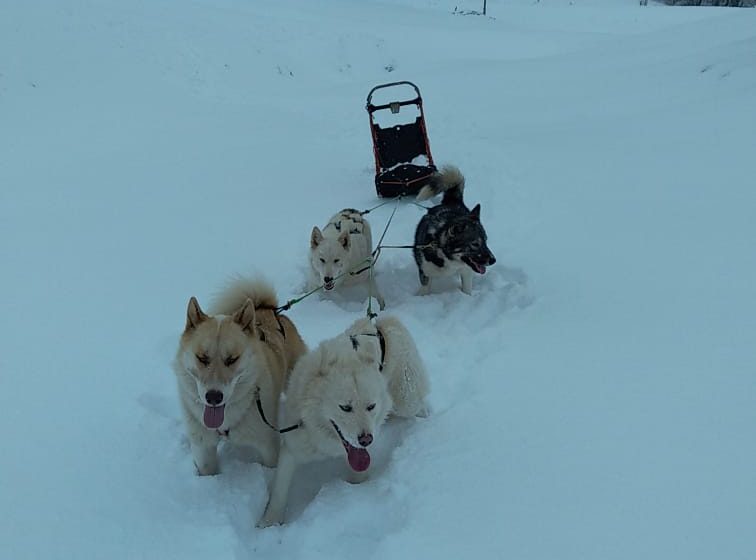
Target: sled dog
340,250
340,394
226,360
450,239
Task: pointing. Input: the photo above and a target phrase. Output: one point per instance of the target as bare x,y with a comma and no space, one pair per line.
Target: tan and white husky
224,361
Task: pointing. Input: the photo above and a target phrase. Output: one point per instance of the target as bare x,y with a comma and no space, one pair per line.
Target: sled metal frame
396,146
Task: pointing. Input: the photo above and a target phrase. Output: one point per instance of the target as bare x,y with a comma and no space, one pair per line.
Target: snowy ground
594,398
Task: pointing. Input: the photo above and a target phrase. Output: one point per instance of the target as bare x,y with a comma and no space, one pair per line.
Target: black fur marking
431,255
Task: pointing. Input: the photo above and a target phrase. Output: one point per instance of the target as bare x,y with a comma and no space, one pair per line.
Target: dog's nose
327,279
365,439
213,397
491,259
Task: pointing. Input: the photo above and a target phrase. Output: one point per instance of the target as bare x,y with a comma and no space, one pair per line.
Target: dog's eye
346,407
322,260
203,359
371,406
336,260
231,360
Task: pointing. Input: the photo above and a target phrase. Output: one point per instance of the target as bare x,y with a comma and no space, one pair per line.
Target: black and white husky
450,238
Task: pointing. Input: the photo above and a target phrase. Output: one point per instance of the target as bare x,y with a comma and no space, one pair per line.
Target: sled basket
403,161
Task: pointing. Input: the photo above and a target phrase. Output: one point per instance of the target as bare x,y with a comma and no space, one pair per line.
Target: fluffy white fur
339,391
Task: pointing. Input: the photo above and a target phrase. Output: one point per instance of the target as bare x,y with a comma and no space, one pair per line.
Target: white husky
340,394
343,247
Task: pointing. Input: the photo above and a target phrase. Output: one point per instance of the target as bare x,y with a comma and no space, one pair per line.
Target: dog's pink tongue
359,459
214,416
480,269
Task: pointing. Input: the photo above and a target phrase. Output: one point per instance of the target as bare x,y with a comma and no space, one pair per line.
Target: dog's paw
205,458
269,520
207,470
206,462
424,412
354,477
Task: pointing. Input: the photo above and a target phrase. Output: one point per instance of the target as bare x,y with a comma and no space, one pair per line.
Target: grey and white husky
450,239
340,253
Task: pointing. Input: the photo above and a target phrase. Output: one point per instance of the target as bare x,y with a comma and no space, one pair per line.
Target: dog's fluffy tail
232,297
449,181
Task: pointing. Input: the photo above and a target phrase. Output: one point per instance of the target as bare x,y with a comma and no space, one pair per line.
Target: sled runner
403,160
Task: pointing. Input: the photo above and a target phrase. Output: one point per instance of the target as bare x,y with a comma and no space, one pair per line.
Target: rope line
367,264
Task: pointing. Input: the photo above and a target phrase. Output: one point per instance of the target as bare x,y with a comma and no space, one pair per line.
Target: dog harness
258,402
381,340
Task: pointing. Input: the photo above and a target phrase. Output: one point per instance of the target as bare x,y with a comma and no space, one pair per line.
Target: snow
593,399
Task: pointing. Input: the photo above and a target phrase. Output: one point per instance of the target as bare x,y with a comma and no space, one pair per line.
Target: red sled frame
396,147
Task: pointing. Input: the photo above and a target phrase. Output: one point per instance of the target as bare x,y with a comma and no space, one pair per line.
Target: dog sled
403,161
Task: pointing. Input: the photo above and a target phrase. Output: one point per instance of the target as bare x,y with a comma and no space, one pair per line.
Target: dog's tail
239,289
449,181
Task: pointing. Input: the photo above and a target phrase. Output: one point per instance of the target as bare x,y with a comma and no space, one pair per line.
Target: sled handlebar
371,108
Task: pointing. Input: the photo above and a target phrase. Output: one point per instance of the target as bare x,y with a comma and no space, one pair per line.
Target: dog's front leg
425,283
377,294
259,436
466,276
279,493
205,456
268,448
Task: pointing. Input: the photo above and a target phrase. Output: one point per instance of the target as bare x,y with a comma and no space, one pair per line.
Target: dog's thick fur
343,246
224,360
341,393
401,364
450,238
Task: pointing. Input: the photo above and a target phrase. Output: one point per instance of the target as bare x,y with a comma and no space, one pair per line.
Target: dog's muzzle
480,261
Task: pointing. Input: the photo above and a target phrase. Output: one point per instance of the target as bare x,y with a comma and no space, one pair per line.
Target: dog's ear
327,361
475,212
245,317
194,314
345,240
315,237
